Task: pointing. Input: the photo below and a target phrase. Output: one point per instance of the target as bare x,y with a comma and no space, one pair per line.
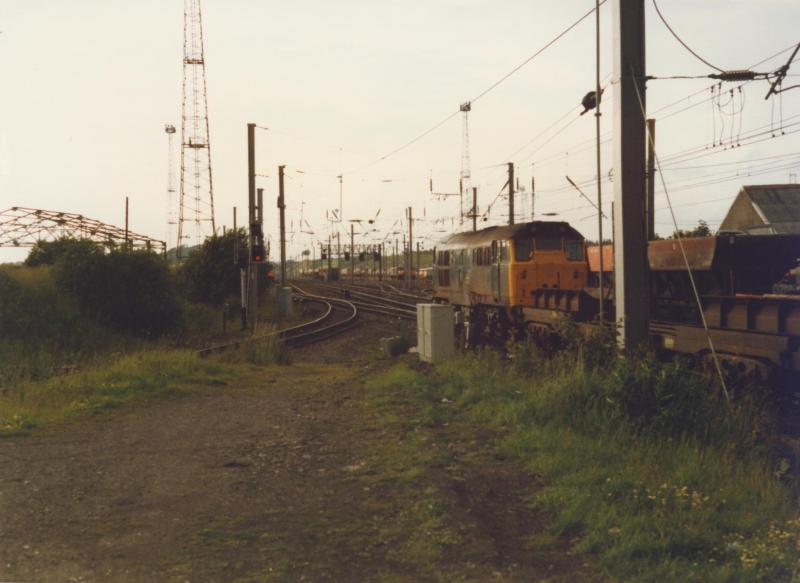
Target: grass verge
135,377
640,464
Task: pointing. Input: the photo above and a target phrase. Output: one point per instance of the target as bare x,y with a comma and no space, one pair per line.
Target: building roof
765,209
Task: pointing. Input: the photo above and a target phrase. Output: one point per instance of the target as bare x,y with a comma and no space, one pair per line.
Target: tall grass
259,352
132,378
643,464
44,331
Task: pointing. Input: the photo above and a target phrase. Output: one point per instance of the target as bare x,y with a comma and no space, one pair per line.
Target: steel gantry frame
24,227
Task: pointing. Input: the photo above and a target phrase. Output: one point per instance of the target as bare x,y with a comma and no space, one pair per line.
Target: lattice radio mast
466,175
169,129
197,190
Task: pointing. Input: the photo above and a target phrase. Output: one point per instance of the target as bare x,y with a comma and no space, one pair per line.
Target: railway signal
258,253
257,250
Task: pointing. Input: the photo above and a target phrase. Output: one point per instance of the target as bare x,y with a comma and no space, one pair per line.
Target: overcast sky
87,86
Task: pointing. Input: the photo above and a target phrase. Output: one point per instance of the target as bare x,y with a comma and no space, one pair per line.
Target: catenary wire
664,20
481,94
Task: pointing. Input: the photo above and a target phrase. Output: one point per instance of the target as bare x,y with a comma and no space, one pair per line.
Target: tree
131,291
48,252
701,230
210,275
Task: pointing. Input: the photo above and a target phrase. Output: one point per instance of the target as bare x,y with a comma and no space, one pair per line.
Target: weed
131,378
259,352
643,464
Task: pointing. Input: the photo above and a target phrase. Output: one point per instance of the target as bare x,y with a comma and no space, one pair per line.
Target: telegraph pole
510,193
126,224
329,255
474,208
410,247
282,210
630,247
341,216
598,96
405,261
533,196
419,264
461,200
651,179
352,254
252,278
238,260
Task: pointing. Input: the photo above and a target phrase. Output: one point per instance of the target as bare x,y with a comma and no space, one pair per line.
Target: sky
88,86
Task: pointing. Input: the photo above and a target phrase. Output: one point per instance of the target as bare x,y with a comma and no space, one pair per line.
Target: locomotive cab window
574,250
548,244
523,249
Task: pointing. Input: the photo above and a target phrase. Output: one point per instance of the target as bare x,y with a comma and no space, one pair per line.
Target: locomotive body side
503,267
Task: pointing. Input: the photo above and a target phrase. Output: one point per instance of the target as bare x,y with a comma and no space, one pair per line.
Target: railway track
337,316
411,296
338,313
372,299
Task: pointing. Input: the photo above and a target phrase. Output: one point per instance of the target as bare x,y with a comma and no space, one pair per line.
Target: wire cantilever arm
685,257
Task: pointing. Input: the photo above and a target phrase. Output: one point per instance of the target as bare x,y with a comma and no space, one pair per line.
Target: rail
317,329
373,302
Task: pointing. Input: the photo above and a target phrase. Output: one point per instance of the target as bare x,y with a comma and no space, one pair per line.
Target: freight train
527,277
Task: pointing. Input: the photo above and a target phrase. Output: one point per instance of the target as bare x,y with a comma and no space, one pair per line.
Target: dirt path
286,475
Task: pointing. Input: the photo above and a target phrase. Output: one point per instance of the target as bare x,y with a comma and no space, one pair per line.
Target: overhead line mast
630,243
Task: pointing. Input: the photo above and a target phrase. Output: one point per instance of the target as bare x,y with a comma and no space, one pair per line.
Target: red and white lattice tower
197,190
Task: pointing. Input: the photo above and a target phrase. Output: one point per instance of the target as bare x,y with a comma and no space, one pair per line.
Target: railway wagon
735,276
531,275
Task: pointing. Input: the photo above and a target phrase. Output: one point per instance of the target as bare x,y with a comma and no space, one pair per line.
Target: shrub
654,399
41,327
49,252
131,292
209,275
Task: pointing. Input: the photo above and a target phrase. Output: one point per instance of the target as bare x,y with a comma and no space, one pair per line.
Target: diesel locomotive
528,276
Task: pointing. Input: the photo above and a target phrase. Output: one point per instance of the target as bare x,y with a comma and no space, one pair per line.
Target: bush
209,275
49,252
131,292
41,327
654,399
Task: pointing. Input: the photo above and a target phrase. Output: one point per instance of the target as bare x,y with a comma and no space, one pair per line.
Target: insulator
735,75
